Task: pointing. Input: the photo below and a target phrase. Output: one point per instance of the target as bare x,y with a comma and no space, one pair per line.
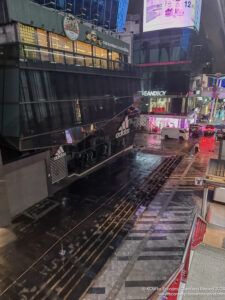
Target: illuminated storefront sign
59,154
71,28
153,93
124,129
164,14
68,137
92,37
158,109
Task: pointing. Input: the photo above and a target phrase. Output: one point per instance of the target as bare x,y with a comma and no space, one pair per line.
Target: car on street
174,133
209,130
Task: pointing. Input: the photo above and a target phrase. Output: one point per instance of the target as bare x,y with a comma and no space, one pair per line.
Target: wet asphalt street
32,254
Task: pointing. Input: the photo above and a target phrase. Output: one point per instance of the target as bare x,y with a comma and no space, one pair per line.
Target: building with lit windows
108,13
175,43
65,93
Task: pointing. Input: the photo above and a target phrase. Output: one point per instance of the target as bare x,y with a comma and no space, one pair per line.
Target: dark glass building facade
66,97
108,13
167,58
55,91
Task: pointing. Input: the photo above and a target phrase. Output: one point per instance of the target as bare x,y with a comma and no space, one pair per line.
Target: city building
65,90
132,27
209,92
175,43
108,13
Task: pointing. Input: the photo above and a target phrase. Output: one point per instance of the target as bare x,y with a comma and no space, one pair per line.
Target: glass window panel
61,43
115,56
164,55
79,60
136,57
102,53
42,39
85,49
154,55
27,35
142,56
88,62
58,57
175,54
97,62
24,89
99,52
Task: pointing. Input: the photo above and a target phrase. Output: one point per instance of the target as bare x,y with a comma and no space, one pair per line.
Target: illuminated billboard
165,14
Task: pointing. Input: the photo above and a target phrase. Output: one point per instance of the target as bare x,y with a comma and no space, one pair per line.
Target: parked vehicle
195,130
209,130
174,133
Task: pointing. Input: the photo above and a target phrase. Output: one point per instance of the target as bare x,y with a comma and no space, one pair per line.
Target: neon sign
153,93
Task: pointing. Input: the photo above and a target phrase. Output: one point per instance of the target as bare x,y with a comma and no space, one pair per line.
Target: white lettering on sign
59,154
153,93
124,129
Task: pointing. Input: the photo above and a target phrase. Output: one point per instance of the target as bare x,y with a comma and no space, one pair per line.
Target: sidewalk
155,246
206,278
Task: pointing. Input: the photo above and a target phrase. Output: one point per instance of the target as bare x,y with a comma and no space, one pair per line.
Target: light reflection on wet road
154,143
81,200
84,196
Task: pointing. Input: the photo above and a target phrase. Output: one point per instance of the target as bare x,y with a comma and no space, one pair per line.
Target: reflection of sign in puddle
6,237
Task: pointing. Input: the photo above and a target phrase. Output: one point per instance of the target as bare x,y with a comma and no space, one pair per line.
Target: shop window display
28,36
61,50
85,49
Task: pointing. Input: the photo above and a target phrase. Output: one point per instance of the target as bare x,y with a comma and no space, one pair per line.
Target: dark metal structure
61,96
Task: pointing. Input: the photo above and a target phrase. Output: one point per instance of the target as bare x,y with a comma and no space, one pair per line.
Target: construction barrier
169,290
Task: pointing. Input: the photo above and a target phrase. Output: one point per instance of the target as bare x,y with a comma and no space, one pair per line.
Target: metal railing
170,289
44,55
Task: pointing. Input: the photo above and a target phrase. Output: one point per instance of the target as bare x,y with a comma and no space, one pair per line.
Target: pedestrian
196,148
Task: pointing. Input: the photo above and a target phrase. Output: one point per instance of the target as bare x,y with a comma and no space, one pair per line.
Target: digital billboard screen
165,14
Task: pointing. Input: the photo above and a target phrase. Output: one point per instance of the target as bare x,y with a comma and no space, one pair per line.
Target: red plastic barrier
173,289
199,233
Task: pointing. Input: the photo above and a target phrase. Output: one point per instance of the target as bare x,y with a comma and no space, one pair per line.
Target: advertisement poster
165,14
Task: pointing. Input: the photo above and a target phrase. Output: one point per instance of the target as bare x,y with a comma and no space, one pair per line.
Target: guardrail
170,289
